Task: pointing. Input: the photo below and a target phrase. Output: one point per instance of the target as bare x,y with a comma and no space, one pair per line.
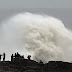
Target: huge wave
43,37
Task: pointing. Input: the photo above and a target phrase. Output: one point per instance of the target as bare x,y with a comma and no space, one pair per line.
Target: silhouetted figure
41,62
29,57
12,57
0,57
15,55
3,56
18,55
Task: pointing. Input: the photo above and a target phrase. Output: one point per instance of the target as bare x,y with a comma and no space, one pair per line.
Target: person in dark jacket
18,55
15,55
3,56
0,57
12,57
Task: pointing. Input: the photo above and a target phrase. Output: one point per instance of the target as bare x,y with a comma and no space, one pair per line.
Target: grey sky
35,4
61,9
64,14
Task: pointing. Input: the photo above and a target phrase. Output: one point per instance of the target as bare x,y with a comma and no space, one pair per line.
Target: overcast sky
61,9
35,3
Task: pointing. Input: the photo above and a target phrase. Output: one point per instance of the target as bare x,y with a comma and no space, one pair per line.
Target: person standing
12,57
3,56
0,57
18,55
15,55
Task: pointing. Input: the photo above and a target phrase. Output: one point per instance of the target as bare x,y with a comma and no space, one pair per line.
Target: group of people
17,55
3,56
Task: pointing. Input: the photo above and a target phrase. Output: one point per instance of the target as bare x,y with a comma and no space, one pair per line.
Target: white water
43,37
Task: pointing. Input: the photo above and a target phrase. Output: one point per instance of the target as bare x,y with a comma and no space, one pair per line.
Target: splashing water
43,37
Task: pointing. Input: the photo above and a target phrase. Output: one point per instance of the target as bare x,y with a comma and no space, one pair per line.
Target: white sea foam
43,37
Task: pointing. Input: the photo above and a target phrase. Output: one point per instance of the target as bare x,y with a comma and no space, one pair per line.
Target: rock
24,65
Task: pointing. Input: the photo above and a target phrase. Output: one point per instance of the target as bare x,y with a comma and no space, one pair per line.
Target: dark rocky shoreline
25,65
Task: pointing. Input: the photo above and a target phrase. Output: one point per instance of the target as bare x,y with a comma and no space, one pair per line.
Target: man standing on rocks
0,57
12,57
3,56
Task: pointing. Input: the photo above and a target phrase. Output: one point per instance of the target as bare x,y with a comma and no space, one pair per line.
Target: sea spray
43,37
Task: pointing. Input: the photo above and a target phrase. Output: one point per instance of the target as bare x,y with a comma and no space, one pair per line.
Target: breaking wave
43,37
